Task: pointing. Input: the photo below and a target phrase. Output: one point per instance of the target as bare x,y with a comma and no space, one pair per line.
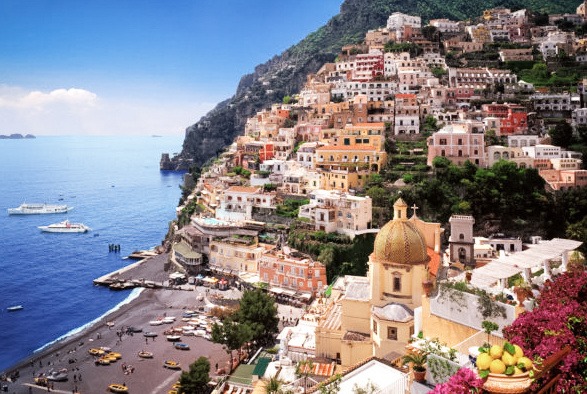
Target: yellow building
348,166
238,253
374,315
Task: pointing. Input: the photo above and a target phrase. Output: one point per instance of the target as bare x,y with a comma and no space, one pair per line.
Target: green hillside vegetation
340,254
502,198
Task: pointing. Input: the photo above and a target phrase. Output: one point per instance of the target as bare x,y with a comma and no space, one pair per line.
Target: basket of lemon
505,368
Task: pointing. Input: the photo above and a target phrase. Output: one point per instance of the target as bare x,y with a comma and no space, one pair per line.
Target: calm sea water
116,188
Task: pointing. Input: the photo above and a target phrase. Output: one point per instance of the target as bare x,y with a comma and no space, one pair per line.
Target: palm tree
273,386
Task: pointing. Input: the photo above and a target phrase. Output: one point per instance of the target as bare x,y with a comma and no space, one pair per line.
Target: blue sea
116,188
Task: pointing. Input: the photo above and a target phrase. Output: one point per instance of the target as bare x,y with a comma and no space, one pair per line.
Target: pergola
523,262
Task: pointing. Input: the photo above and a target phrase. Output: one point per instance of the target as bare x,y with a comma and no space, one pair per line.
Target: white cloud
80,111
18,98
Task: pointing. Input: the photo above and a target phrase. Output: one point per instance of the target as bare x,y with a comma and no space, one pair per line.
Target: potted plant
523,291
418,362
468,274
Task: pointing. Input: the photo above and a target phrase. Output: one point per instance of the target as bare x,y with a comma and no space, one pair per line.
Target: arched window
397,281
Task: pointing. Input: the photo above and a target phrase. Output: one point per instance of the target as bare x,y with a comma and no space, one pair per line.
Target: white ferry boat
32,209
65,227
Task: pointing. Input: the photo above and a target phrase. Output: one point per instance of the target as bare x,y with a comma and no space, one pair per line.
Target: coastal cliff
285,74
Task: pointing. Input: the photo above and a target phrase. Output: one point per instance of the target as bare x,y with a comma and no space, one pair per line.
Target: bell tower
461,241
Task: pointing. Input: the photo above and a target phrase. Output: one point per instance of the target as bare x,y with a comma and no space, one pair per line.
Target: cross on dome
414,208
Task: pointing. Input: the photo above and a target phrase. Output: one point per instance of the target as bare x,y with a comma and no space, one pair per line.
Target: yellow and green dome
400,241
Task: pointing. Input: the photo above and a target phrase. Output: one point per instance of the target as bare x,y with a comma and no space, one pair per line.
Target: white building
332,211
445,25
397,20
541,151
237,203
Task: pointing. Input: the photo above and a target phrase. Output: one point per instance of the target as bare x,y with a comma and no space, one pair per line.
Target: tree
258,311
561,134
273,386
582,133
232,334
196,379
430,33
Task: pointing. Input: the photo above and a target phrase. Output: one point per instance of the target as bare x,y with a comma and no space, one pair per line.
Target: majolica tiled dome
400,241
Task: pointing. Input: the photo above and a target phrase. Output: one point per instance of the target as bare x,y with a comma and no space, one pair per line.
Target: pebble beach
140,375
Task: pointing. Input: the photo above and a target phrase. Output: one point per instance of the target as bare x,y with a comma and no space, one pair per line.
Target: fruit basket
505,369
498,383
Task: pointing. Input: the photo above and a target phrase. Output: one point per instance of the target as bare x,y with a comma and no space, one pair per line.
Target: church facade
374,315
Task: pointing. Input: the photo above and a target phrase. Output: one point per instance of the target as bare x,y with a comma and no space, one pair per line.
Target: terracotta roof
434,263
243,189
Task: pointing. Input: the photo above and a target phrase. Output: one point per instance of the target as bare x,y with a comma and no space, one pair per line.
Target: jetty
148,272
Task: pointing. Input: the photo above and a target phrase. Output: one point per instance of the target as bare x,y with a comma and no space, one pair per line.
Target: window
397,281
374,327
392,333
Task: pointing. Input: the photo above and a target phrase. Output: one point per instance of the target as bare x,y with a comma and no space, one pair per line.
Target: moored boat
65,227
37,209
171,364
117,388
182,346
145,354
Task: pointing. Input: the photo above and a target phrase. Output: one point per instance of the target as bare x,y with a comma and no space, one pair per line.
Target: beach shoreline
149,375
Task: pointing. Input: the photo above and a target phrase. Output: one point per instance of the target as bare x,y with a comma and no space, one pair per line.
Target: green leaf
484,373
522,366
531,374
508,347
510,370
483,349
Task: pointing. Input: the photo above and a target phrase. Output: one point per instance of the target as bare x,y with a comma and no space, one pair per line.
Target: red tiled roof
434,263
243,189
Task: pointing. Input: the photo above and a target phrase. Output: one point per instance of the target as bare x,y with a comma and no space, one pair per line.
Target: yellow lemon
517,371
519,352
526,362
483,361
497,366
496,351
508,359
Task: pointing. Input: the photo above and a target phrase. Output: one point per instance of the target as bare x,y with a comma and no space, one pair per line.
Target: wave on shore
134,294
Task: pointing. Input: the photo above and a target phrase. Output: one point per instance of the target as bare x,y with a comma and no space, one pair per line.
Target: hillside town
305,162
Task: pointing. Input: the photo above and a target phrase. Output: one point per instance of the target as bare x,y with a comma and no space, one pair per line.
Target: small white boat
14,308
65,227
36,209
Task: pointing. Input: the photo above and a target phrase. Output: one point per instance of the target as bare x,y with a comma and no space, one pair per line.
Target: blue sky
136,67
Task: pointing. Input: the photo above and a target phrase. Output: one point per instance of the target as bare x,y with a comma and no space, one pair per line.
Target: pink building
564,179
458,142
291,273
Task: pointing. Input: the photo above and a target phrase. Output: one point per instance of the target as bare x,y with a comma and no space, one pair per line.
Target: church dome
400,241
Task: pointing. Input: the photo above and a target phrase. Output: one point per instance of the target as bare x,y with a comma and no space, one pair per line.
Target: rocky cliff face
285,74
